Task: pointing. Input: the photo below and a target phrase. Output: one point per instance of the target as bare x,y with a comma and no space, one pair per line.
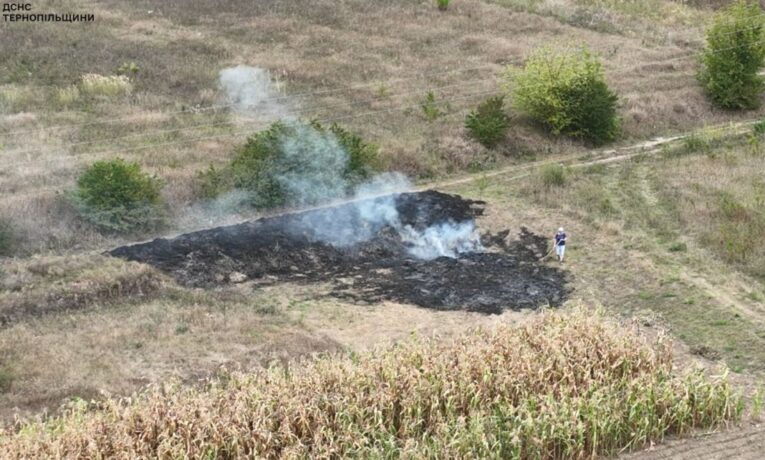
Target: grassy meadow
663,335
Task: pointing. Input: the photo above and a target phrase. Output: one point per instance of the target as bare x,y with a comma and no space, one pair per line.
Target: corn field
564,385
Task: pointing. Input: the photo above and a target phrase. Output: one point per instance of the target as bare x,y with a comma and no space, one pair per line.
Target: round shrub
212,182
295,164
488,123
567,92
733,57
117,196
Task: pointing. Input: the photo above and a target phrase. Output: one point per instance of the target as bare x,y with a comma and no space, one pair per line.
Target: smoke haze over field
375,208
311,170
253,92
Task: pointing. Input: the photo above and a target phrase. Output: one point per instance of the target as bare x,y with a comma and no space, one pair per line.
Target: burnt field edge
365,262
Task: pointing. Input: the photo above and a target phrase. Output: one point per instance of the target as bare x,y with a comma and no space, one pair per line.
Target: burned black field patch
368,258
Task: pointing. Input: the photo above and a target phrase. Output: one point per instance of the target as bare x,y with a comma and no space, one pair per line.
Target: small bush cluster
332,159
430,107
755,138
566,385
15,98
553,175
567,92
128,68
117,196
488,123
68,95
678,247
443,5
109,86
697,142
700,141
734,55
759,128
212,182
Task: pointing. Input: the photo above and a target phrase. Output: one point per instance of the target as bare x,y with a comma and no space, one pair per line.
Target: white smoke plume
312,172
447,239
374,207
252,91
311,169
226,209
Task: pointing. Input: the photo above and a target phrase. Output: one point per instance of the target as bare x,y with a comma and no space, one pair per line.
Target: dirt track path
747,443
725,295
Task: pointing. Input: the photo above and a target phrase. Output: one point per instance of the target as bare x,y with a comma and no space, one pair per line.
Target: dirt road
745,443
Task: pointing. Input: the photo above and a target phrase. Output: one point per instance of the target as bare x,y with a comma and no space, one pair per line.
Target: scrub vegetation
488,123
264,165
734,56
122,129
564,386
117,196
567,92
155,98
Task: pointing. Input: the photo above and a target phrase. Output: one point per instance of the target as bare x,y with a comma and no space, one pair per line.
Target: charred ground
291,248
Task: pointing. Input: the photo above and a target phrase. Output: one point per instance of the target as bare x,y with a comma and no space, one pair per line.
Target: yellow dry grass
366,65
563,386
43,285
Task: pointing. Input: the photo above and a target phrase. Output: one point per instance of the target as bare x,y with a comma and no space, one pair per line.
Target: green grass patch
553,175
678,247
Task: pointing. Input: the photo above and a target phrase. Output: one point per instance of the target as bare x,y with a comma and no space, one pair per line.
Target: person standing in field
560,244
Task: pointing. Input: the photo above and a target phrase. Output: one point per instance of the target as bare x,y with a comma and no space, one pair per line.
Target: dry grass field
643,250
366,65
666,239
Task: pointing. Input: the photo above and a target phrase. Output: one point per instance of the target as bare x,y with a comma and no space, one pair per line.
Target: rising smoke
253,92
250,91
320,179
373,208
312,166
447,239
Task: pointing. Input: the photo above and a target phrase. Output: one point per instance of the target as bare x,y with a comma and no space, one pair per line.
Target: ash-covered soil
373,263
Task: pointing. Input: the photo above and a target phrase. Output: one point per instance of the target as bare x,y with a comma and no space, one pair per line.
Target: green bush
212,182
488,123
553,175
363,157
567,92
117,196
273,163
734,56
430,107
678,247
128,68
443,4
759,128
